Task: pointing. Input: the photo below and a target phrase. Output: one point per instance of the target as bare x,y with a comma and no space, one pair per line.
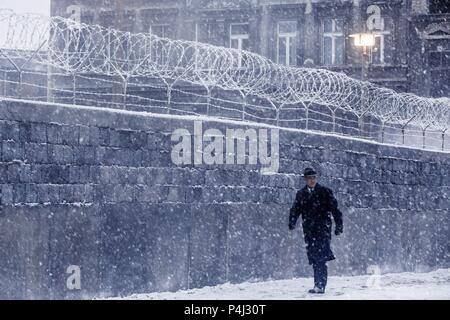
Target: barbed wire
82,50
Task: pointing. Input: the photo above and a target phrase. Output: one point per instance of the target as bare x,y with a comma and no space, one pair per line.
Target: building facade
411,53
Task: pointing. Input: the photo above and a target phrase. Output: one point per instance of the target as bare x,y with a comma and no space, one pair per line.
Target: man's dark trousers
320,274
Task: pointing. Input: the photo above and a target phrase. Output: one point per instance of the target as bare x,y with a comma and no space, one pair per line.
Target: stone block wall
96,188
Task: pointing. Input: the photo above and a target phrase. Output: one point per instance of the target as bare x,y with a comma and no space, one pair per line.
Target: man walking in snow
315,203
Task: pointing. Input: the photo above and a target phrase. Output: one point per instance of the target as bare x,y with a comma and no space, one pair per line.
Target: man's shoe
317,290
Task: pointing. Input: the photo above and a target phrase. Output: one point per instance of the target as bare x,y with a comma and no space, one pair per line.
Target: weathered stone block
12,151
7,194
54,134
9,130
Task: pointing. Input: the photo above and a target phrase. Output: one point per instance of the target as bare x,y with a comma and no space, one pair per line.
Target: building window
211,33
380,53
239,38
161,30
333,42
439,59
286,44
215,34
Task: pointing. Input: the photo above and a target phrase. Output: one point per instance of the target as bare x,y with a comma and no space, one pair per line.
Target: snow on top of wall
216,119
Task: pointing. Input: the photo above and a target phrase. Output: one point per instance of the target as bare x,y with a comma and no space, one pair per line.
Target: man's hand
338,231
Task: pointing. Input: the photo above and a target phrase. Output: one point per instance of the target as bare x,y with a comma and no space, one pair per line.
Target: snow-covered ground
431,285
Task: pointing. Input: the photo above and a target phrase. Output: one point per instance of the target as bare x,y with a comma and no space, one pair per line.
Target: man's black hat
309,172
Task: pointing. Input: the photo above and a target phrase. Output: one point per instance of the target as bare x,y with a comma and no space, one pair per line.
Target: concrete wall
97,189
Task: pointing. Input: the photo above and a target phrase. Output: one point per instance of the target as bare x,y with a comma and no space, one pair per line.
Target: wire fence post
19,88
278,117
125,91
277,112
423,136
169,97
244,103
333,118
361,124
74,87
423,139
443,139
306,115
403,135
208,99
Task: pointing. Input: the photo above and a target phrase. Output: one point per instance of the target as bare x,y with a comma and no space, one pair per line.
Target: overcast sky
27,6
41,7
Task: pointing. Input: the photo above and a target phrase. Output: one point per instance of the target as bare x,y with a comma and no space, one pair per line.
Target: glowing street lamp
364,40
